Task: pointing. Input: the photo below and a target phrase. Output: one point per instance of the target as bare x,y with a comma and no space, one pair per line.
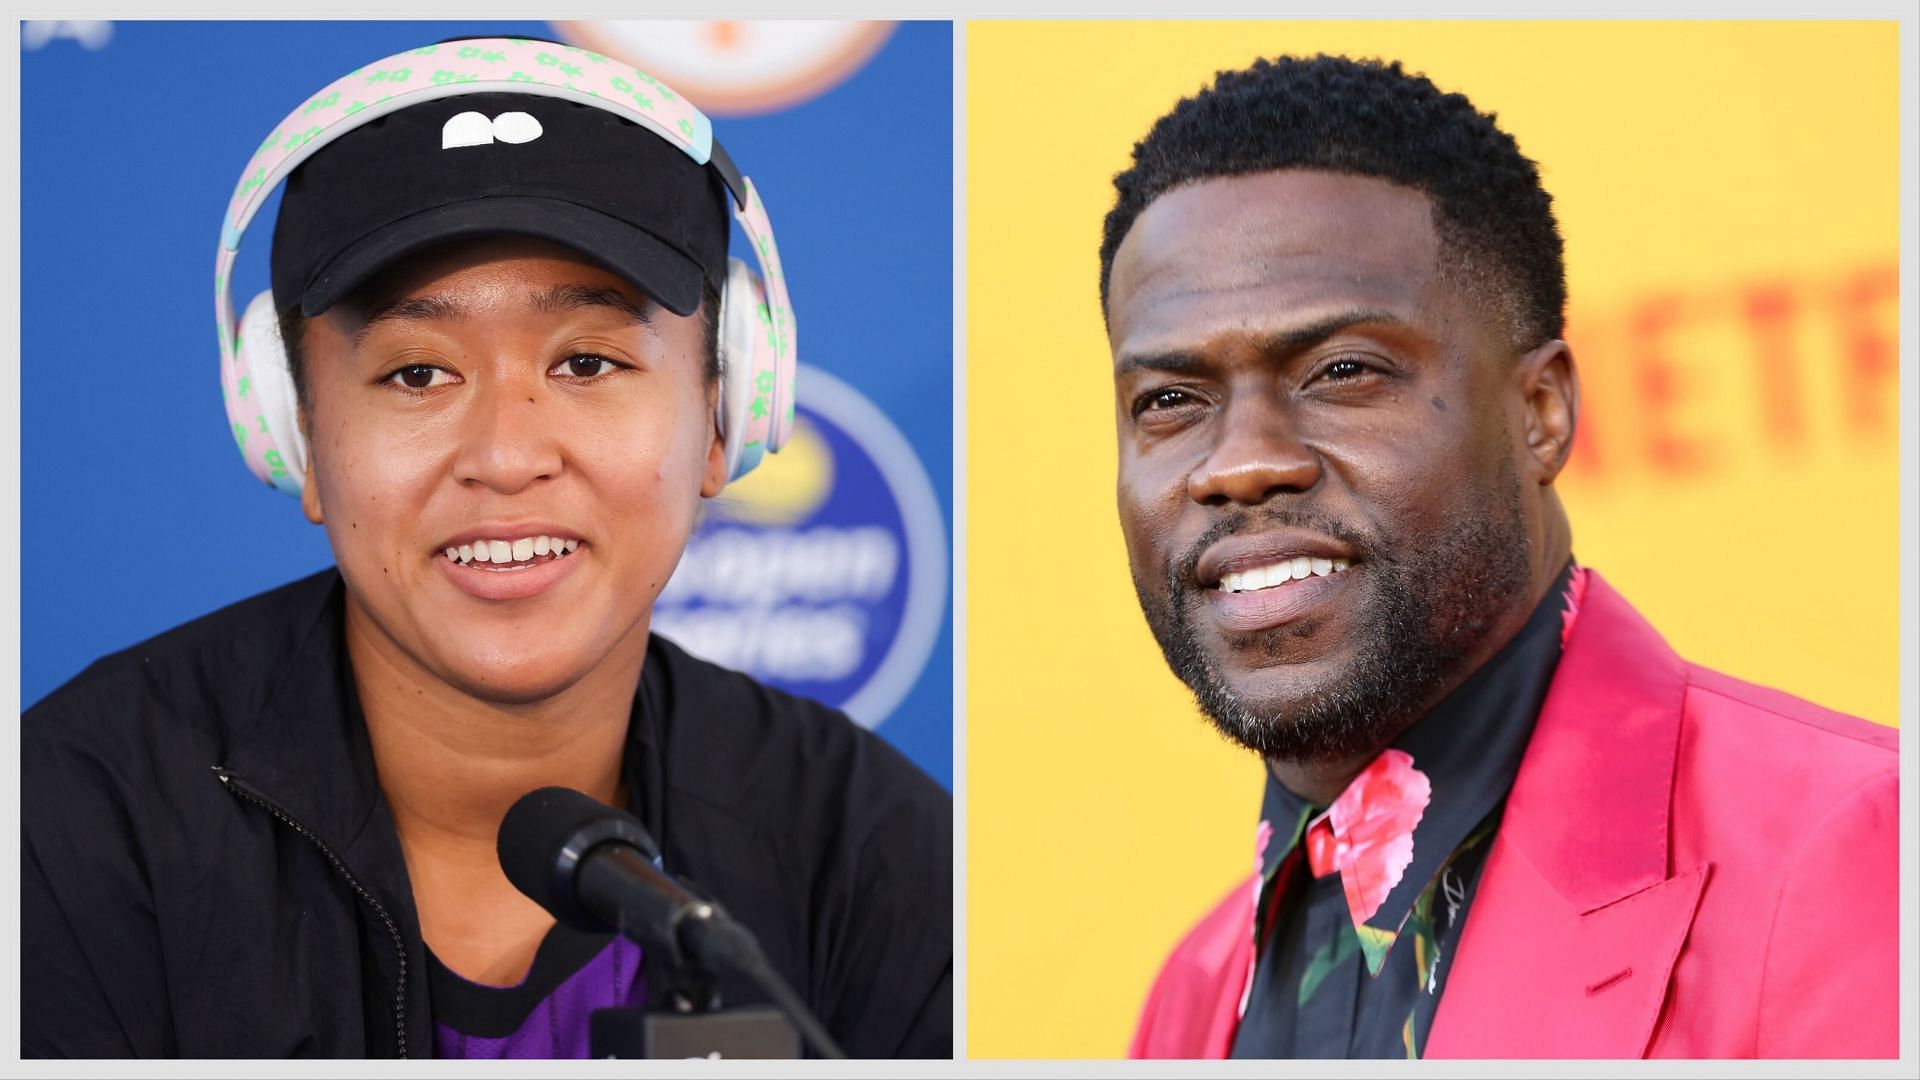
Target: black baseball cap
466,166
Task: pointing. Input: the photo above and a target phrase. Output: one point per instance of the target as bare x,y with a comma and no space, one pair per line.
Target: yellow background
1737,478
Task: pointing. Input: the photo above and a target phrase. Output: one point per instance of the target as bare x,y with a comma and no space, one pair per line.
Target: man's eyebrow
415,308
1306,337
1287,341
1176,363
573,296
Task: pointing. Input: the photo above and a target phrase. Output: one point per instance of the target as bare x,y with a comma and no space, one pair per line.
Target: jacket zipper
248,793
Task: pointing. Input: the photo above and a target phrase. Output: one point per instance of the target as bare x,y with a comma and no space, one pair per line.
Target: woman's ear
715,477
309,491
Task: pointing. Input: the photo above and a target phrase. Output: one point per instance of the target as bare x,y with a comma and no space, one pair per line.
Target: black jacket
209,869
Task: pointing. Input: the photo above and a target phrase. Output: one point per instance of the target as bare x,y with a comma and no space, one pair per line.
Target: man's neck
1321,781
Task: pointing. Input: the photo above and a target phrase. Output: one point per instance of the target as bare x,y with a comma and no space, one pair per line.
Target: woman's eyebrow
418,308
573,296
569,297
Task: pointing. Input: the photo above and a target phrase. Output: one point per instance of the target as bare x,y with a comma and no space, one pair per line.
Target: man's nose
508,440
1257,453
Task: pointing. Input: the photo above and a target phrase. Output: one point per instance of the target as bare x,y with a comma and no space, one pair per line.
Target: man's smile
1274,575
1252,582
1247,561
1267,607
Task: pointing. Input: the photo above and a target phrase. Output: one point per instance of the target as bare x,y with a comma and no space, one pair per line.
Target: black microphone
595,869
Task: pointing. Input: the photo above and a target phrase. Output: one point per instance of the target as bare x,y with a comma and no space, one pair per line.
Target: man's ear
309,491
1549,387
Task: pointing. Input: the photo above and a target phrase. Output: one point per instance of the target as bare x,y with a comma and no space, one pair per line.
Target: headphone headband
510,65
478,65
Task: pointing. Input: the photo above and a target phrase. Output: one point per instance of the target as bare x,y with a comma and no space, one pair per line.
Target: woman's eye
417,376
585,366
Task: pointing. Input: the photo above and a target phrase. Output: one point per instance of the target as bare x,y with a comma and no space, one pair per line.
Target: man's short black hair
293,329
1366,118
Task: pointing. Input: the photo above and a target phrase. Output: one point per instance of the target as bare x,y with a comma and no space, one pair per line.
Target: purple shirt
546,1014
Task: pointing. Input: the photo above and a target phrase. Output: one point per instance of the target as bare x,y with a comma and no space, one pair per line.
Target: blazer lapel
1539,979
1573,933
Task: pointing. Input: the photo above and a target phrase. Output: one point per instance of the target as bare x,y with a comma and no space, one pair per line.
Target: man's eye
1343,370
1161,400
585,366
418,376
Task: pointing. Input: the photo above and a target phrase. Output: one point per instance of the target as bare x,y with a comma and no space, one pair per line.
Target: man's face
1320,476
501,391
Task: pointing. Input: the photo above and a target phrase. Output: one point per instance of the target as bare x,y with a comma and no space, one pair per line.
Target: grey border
1249,9
10,580
959,488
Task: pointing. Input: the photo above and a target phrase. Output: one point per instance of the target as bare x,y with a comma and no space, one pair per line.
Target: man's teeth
1266,577
511,551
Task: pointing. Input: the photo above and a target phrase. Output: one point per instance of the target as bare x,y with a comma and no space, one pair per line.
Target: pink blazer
1689,866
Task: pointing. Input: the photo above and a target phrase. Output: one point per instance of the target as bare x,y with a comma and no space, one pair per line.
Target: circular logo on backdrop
732,67
92,35
823,571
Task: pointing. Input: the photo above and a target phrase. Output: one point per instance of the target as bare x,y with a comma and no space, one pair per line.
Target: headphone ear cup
746,362
262,404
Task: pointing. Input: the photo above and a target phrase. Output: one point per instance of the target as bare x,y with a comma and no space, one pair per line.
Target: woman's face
533,414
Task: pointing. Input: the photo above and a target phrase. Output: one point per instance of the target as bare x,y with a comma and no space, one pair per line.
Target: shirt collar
1465,751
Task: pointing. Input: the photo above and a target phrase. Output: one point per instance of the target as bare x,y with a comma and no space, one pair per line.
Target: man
1501,817
271,832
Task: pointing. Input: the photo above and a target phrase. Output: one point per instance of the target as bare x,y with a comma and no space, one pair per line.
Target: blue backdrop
137,513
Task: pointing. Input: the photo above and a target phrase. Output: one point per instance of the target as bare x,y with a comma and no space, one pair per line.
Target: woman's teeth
509,552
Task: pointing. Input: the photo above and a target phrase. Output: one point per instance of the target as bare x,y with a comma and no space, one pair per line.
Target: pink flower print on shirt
1576,592
1372,829
1262,836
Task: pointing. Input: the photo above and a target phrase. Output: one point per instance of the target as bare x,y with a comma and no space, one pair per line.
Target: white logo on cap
474,129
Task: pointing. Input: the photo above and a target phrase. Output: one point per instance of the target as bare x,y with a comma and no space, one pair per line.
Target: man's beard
1430,607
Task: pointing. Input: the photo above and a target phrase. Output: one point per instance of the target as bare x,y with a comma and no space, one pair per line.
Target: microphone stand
593,866
701,932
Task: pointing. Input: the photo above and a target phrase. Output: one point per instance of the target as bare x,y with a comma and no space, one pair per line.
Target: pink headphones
758,357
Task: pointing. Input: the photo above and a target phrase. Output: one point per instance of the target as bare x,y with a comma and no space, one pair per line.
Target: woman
271,831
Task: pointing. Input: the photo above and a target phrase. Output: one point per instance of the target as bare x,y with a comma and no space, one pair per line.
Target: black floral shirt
1361,904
